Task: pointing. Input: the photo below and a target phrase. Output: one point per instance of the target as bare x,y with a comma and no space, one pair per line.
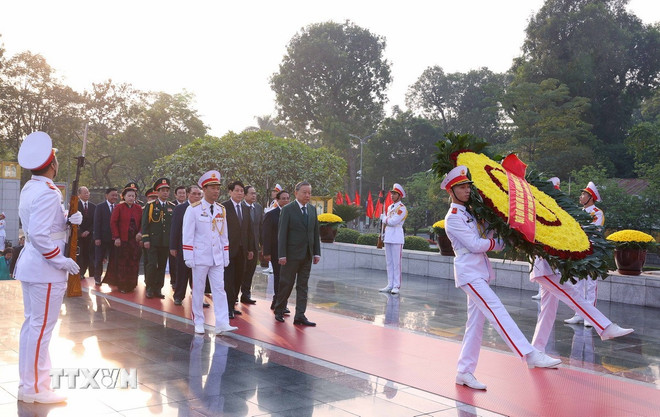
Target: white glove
71,266
76,218
190,263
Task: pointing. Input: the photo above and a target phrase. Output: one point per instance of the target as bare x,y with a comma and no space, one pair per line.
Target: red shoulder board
51,186
454,210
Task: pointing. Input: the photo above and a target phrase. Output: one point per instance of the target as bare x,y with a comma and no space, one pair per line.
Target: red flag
348,200
357,199
388,202
370,206
339,199
379,206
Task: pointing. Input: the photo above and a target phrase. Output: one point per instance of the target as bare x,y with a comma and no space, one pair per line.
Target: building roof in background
633,186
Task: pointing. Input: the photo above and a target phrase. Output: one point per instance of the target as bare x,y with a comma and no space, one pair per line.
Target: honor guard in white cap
42,267
392,223
472,273
273,198
589,287
205,245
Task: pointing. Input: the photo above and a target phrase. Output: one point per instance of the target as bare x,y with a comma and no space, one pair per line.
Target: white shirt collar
300,205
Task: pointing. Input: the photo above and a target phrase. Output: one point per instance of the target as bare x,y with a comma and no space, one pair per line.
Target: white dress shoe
386,289
574,320
224,329
613,330
538,359
587,324
199,328
536,296
469,380
47,397
394,291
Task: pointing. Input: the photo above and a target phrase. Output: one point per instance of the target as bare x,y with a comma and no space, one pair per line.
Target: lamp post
362,141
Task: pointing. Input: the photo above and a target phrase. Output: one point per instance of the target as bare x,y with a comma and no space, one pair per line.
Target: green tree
549,132
331,85
268,123
461,102
256,158
601,52
424,205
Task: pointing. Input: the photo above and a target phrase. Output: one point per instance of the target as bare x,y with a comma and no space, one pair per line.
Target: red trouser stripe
591,319
41,335
496,319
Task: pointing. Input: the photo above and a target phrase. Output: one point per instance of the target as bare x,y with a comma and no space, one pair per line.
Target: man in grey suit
298,247
256,212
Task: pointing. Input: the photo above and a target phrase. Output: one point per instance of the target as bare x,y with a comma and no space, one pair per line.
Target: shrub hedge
345,235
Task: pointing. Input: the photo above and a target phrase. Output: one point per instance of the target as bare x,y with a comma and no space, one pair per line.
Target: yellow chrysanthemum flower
329,218
630,236
439,224
557,230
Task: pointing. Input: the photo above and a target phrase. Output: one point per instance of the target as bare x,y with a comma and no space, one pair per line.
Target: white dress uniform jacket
471,261
394,219
205,238
42,258
597,216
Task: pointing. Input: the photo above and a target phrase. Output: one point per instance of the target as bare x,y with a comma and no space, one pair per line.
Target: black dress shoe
248,301
237,313
279,318
206,305
160,295
98,282
150,294
231,314
177,302
287,311
272,306
304,322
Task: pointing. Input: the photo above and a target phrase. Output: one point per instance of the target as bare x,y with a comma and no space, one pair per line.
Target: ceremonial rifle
73,288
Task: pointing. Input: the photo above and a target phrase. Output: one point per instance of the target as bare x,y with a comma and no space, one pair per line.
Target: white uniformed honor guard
472,273
393,219
205,247
589,287
42,267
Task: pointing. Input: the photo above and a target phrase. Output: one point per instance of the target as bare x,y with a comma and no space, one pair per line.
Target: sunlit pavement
251,374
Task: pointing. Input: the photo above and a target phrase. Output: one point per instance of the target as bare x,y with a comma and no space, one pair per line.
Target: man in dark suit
86,255
241,244
298,246
180,197
103,242
256,214
176,250
269,240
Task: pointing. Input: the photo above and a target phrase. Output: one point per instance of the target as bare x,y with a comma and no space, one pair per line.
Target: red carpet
430,364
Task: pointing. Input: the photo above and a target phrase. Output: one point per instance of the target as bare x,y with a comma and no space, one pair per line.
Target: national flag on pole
348,200
388,202
357,199
339,199
370,206
379,206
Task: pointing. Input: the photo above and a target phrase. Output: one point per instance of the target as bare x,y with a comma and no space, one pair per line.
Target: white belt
461,251
54,236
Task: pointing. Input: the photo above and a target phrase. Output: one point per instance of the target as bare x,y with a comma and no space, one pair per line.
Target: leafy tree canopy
256,158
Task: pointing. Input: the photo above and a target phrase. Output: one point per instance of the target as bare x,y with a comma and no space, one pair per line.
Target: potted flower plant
444,244
630,250
328,225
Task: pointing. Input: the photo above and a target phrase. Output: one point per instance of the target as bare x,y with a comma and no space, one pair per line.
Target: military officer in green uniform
156,224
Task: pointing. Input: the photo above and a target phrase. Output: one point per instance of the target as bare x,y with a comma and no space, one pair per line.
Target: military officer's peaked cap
150,193
36,151
131,186
210,178
593,191
277,188
556,182
397,188
161,183
456,176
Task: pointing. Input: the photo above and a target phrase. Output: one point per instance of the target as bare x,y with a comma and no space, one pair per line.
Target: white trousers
589,290
484,304
216,276
41,304
393,254
551,293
